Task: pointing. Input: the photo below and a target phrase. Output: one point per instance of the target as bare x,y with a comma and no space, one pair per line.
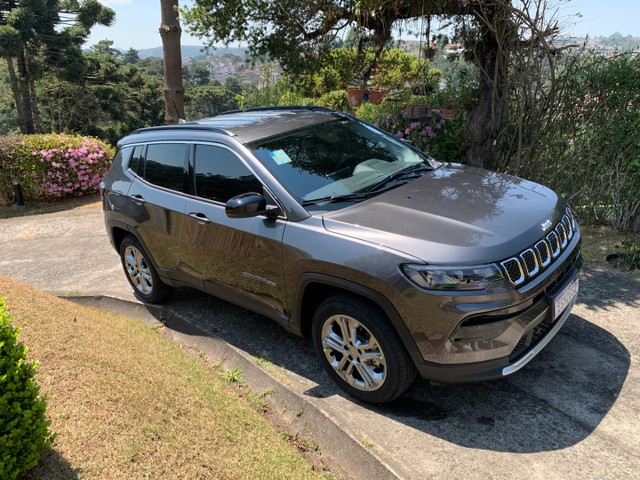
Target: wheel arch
314,288
117,235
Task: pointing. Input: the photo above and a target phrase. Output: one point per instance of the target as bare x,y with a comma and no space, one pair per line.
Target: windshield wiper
404,174
340,198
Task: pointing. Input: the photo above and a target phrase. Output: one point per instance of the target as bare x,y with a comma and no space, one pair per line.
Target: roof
253,124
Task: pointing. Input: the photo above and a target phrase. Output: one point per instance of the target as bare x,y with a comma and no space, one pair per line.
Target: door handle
201,218
137,199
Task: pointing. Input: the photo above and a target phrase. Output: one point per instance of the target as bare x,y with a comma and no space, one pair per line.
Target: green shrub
24,430
588,150
52,166
336,100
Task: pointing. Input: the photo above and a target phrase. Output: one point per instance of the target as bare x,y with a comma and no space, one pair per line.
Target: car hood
452,215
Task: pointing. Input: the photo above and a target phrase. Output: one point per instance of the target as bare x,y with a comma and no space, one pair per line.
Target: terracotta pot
355,96
447,113
376,96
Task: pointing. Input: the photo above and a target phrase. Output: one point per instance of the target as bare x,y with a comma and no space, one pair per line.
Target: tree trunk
482,124
35,112
25,93
17,96
172,57
491,54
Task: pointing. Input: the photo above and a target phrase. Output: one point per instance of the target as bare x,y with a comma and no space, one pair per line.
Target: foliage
628,255
395,69
52,166
588,150
336,100
40,35
445,140
298,34
271,92
208,101
233,376
24,429
384,113
196,72
8,114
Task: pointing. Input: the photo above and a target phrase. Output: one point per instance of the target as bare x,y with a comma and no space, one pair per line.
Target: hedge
24,429
52,166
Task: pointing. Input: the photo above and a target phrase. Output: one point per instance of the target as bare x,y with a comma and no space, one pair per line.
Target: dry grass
126,403
600,241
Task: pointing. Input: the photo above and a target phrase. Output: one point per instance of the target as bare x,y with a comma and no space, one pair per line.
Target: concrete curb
341,451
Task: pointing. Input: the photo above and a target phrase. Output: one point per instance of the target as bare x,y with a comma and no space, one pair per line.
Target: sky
137,21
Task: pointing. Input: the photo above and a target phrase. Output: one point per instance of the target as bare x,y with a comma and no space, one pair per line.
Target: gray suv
390,261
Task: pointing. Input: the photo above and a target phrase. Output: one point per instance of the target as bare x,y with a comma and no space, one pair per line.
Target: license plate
562,300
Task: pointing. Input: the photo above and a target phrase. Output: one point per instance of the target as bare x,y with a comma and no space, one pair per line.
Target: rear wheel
360,349
144,279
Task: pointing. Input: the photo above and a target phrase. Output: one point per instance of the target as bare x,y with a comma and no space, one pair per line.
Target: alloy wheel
138,270
353,352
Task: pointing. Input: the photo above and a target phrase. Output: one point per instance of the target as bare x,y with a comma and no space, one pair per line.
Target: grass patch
602,240
127,403
48,206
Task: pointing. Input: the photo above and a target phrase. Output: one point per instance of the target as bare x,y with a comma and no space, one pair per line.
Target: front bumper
497,349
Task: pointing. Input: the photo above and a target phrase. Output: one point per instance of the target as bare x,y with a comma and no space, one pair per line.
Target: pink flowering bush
53,166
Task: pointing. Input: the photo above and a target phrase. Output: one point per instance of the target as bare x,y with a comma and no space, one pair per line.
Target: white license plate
563,299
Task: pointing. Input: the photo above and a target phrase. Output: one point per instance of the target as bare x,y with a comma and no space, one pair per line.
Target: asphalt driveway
574,412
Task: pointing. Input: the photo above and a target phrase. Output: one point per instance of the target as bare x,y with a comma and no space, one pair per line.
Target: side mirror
248,205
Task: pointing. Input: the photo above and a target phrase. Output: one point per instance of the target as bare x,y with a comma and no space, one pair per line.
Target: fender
297,322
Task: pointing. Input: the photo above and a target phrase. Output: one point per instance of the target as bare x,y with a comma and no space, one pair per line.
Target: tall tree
173,89
299,34
49,32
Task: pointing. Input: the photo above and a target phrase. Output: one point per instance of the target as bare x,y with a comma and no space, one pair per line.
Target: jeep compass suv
393,263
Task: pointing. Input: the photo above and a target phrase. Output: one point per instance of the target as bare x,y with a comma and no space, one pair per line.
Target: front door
239,259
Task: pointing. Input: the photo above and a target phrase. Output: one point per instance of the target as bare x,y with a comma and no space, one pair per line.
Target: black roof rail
312,108
185,126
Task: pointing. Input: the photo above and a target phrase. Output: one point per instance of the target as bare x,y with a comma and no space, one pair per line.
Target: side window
122,157
164,165
136,162
220,175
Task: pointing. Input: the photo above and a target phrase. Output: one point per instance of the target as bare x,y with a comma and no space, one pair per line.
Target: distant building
453,49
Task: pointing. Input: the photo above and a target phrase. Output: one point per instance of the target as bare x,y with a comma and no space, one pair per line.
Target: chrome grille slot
544,253
530,262
567,225
562,235
554,242
514,270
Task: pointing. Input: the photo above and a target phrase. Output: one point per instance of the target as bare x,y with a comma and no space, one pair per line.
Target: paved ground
574,412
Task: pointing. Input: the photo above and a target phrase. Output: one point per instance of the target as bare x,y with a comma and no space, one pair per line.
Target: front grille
532,261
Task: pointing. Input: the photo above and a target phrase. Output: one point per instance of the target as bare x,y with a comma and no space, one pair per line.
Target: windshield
334,159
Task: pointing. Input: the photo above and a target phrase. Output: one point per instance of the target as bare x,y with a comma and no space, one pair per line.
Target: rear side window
221,175
135,165
164,165
122,156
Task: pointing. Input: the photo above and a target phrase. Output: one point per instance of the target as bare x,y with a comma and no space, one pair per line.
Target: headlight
433,277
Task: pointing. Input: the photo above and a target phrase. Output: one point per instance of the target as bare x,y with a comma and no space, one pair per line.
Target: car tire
140,272
361,350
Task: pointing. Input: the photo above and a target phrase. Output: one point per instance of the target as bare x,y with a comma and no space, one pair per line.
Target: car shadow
554,402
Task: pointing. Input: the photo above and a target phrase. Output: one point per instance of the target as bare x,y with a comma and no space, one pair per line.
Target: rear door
155,208
238,259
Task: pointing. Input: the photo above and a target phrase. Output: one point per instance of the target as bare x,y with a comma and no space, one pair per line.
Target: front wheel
360,350
144,279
